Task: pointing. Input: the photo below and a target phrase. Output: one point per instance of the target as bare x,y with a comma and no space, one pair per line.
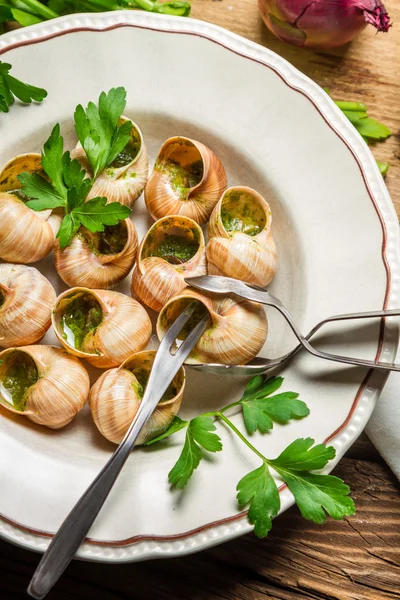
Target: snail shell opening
102,326
241,243
172,249
188,179
115,399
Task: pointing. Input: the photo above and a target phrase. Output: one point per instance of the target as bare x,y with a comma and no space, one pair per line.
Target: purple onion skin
321,24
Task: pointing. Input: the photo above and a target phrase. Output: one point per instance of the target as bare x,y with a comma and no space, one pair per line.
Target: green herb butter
18,375
81,317
240,212
182,178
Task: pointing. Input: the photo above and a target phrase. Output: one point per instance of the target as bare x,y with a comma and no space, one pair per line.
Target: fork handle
75,527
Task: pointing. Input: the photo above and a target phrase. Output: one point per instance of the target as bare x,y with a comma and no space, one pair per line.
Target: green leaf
260,413
316,493
201,429
77,196
3,104
187,462
259,386
122,137
24,18
98,131
199,435
301,456
73,173
43,195
52,160
259,489
96,213
68,229
383,167
25,92
111,107
176,425
5,92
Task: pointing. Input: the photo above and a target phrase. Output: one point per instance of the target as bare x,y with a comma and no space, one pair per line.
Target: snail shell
26,236
98,260
237,331
172,249
241,244
124,180
44,383
188,179
116,396
26,301
102,326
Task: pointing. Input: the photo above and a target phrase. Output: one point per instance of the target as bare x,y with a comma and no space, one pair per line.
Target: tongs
226,285
75,527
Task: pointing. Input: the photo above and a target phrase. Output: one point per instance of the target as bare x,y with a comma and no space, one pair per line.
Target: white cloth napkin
383,428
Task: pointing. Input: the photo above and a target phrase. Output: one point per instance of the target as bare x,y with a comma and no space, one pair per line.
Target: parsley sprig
316,495
102,138
65,185
11,88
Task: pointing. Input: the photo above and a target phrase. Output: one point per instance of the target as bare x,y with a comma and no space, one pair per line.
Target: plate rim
154,546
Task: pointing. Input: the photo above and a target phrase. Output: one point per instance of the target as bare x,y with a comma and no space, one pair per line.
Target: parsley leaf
260,410
301,456
73,173
313,493
10,87
52,160
176,425
199,435
96,213
316,493
41,192
259,489
68,229
98,131
260,386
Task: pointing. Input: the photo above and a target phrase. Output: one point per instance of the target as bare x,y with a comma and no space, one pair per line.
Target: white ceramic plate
337,237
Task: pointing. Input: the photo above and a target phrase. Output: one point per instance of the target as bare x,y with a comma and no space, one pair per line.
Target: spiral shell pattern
188,179
59,392
237,331
125,327
116,396
26,236
26,302
250,257
159,276
83,264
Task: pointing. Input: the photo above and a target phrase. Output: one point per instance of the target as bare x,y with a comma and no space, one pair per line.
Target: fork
75,527
226,285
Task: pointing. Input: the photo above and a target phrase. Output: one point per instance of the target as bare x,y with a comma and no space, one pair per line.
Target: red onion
322,23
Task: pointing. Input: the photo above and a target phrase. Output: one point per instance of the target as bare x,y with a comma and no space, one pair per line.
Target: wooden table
355,559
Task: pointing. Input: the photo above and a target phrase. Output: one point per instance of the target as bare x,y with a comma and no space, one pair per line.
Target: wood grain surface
355,559
365,70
